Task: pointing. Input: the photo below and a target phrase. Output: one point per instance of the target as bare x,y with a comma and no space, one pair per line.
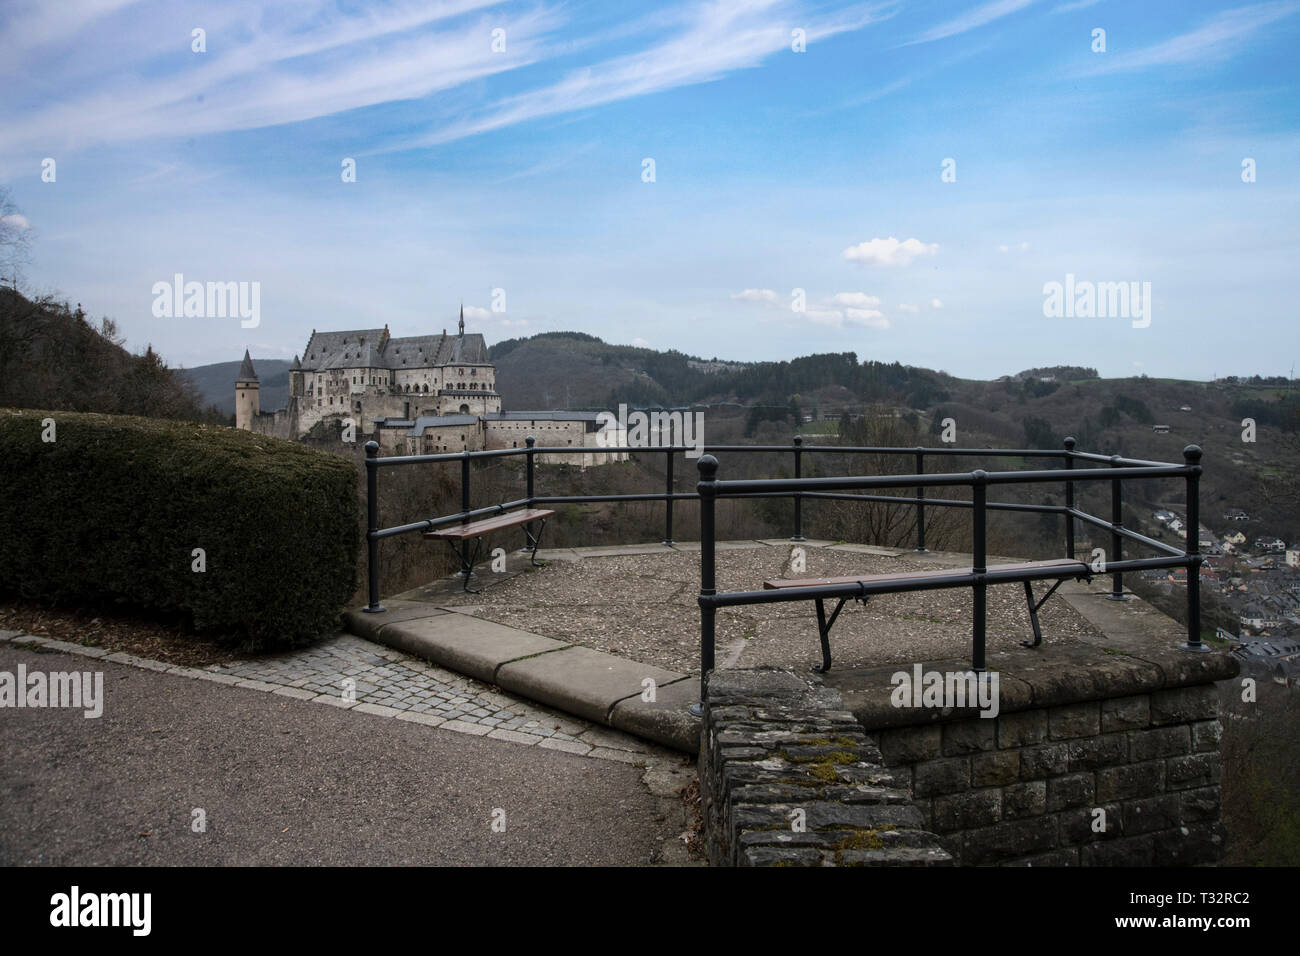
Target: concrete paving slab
810,543
869,549
468,645
719,546
667,721
364,624
622,549
580,681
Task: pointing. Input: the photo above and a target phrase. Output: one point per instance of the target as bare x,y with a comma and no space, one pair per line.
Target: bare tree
15,240
882,522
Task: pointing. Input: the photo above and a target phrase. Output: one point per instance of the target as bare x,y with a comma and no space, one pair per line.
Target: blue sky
774,170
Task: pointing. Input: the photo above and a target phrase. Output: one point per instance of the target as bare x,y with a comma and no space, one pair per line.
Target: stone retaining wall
1123,781
788,778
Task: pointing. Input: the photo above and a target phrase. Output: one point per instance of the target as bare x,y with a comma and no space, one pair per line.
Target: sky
749,181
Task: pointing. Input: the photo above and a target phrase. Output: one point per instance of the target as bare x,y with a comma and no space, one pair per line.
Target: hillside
52,356
574,370
216,383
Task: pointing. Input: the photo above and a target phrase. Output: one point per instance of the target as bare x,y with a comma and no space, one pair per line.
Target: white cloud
908,307
719,38
1004,248
17,220
640,342
1220,37
871,318
972,19
476,314
1076,5
302,63
755,295
857,300
936,304
889,253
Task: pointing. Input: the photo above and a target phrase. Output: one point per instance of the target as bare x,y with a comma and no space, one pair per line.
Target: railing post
1116,542
529,442
798,498
920,504
708,492
668,520
979,566
1192,458
465,569
372,525
1069,499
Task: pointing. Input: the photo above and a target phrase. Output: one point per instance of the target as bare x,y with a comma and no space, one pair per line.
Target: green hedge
112,510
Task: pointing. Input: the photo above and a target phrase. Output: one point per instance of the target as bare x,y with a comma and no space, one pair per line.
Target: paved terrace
587,632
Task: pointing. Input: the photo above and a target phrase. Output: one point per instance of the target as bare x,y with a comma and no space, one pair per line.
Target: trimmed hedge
112,510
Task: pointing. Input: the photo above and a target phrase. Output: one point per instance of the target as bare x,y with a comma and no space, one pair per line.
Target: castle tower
246,395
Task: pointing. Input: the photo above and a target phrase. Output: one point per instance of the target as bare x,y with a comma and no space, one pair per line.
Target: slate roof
374,348
246,373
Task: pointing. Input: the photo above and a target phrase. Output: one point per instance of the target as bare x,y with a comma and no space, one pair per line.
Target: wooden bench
476,531
1060,569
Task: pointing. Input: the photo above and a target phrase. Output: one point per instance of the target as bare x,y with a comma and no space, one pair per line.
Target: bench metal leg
824,632
1033,611
533,543
466,562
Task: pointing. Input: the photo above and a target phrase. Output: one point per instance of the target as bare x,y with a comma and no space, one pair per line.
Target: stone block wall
1120,781
788,778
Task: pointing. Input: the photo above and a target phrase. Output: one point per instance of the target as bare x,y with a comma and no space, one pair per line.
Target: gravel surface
643,607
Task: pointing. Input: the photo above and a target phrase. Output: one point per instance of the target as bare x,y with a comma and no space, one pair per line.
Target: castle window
426,389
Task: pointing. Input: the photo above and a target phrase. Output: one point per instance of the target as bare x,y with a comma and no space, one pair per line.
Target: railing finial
1070,442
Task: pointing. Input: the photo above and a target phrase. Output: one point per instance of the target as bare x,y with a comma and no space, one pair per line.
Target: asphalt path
285,781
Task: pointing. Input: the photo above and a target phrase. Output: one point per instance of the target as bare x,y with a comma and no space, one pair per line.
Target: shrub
112,510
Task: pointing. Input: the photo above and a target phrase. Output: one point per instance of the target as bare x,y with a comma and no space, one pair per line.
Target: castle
422,394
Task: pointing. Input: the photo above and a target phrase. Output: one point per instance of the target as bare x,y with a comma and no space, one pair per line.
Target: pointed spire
296,363
462,318
246,373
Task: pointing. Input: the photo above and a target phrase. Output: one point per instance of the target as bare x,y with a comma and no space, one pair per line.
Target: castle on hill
421,394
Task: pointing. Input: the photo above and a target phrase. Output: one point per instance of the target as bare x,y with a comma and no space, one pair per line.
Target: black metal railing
710,489
848,488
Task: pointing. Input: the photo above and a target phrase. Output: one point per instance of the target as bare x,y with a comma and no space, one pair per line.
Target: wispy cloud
1219,38
294,68
717,39
972,19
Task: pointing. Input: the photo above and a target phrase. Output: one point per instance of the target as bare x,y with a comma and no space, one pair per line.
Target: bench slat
477,529
1061,563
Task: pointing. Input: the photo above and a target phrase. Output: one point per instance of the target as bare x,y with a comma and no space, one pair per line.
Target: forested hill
575,370
53,357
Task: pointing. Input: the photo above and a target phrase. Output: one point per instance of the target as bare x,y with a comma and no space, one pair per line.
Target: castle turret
295,378
247,401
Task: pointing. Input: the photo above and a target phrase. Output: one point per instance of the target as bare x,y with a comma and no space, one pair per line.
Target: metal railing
709,489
